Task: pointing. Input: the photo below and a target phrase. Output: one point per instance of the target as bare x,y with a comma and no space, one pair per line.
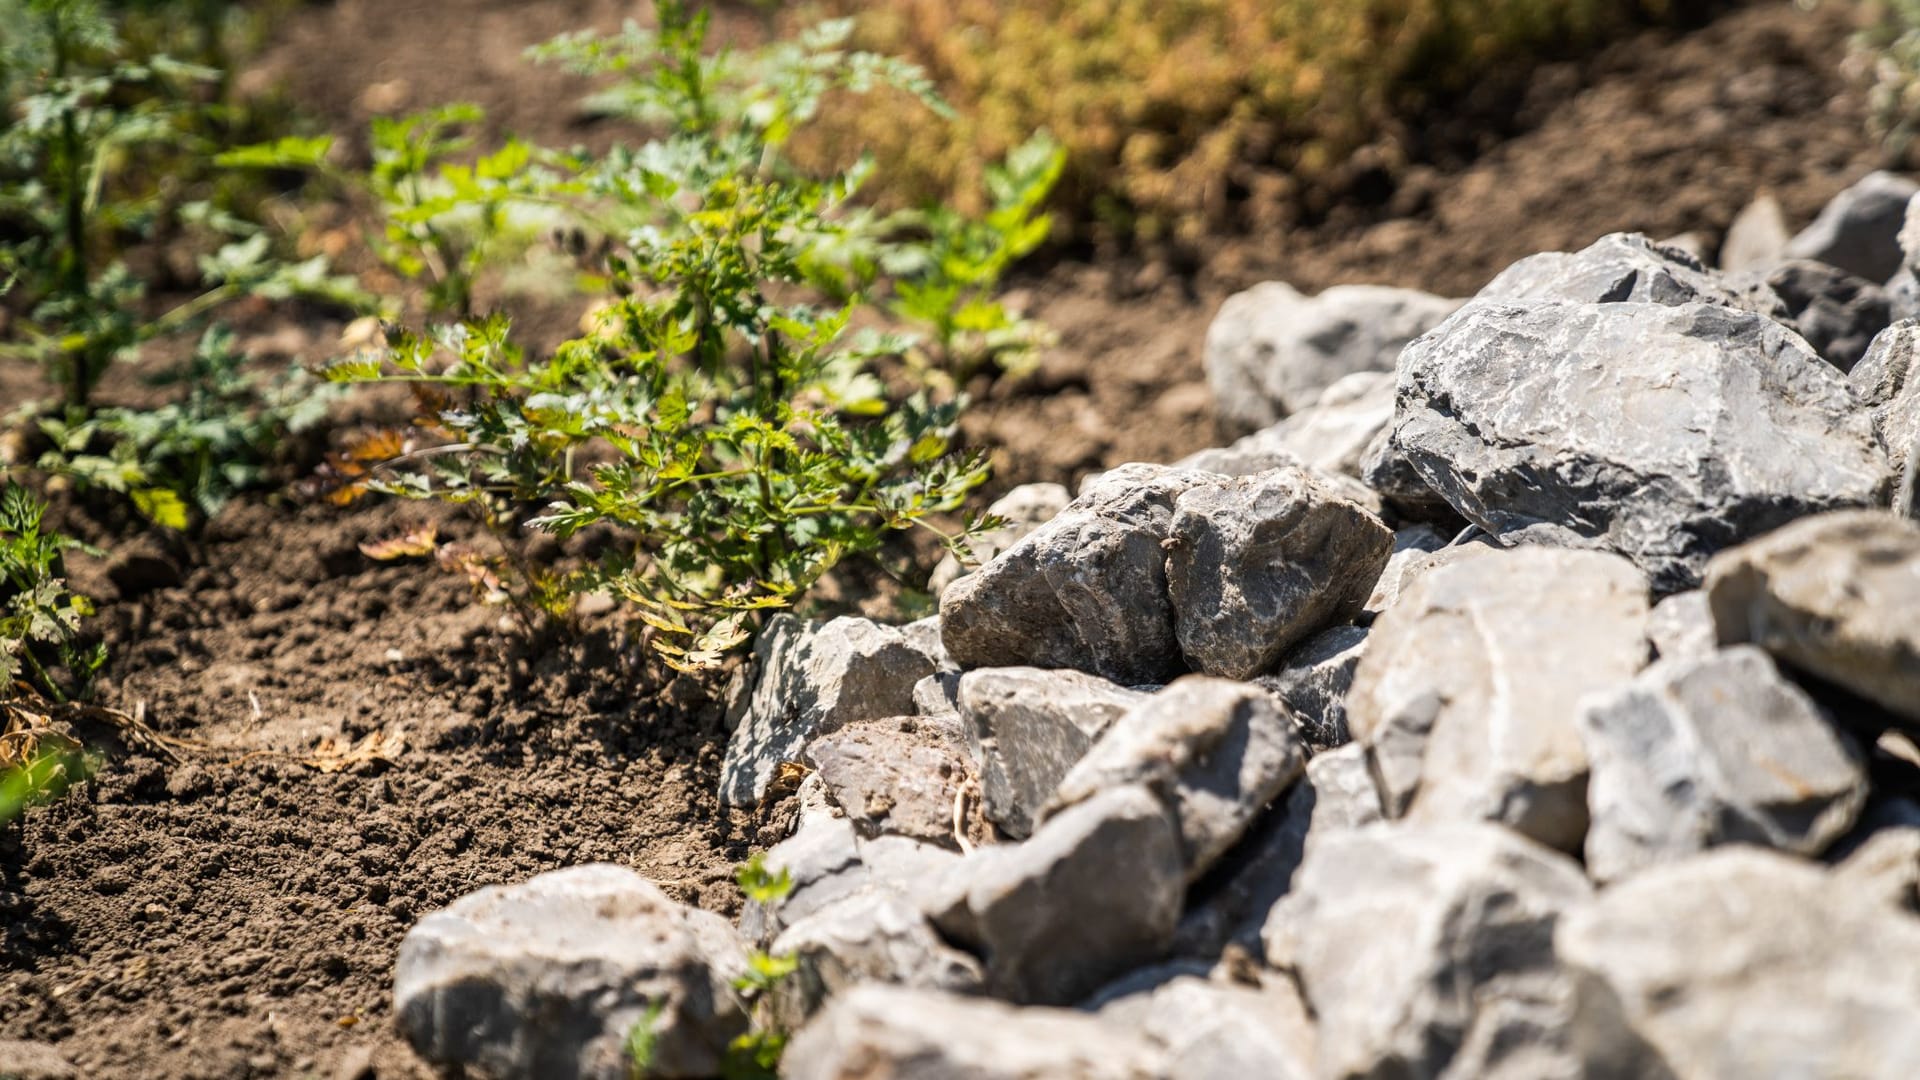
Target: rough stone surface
546,978
1215,752
1272,351
1859,231
1257,564
1662,433
1680,627
1025,509
1027,729
1626,268
1694,754
874,936
1094,893
1743,962
1757,239
1331,436
1212,1030
1384,468
875,1031
1885,866
1837,595
1313,680
899,775
810,679
823,859
1087,590
1417,549
937,698
1885,381
1466,697
1837,313
1427,951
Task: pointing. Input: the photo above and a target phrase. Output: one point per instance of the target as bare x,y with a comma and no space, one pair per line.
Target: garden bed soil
226,908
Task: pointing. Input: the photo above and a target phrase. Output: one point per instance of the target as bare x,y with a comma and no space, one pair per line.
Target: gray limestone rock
547,977
1028,727
1837,313
1272,351
1859,230
1467,695
1215,752
1885,383
1625,268
1694,754
1313,680
811,678
1662,433
1757,239
1886,865
1024,509
1257,564
901,775
1680,627
1742,962
873,936
1212,1030
1836,595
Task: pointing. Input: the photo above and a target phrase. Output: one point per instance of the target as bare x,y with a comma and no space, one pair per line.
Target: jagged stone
1211,1030
899,775
1626,268
873,936
1024,509
1884,381
1028,727
1313,680
1859,230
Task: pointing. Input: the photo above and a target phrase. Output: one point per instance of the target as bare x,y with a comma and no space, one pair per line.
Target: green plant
1888,45
721,427
38,766
73,194
41,616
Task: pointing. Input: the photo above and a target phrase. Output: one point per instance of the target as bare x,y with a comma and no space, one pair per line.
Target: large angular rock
1427,951
1331,436
1087,590
1094,893
874,936
1211,1030
829,861
901,775
878,1031
1836,595
1662,433
1859,231
1027,728
1404,493
547,977
1885,381
1257,564
1024,509
1214,752
1466,697
1837,313
1742,962
811,678
1625,268
1313,680
1272,351
1698,753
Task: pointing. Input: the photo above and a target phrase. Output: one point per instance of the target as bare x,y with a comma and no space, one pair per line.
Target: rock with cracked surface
1467,695
1087,590
1093,894
1272,351
1427,951
1837,313
1662,433
1836,595
547,977
1027,727
1215,752
1744,962
1859,229
811,678
1886,381
1257,564
1212,1029
1313,680
874,936
1695,754
901,775
878,1031
1625,268
1024,509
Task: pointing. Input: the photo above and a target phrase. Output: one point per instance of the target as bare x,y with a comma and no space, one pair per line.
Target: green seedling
40,616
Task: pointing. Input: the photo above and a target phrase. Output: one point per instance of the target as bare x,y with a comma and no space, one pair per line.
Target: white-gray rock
1662,433
1024,509
1094,893
1028,727
1313,680
1427,951
1694,754
1087,590
823,859
1859,230
1886,866
873,936
1837,595
1757,239
1746,963
1272,351
1213,1030
1257,564
1330,436
1215,752
1885,381
1680,627
937,698
810,678
1624,268
1466,697
547,977
901,775
876,1031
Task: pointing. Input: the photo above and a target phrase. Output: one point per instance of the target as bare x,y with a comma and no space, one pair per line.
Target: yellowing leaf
334,755
162,507
420,541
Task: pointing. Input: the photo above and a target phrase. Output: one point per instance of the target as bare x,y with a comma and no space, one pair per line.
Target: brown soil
223,915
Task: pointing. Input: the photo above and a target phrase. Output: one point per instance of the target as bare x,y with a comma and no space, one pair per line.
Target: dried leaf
421,541
332,755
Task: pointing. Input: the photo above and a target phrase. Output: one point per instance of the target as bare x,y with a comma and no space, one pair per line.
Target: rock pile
1534,695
